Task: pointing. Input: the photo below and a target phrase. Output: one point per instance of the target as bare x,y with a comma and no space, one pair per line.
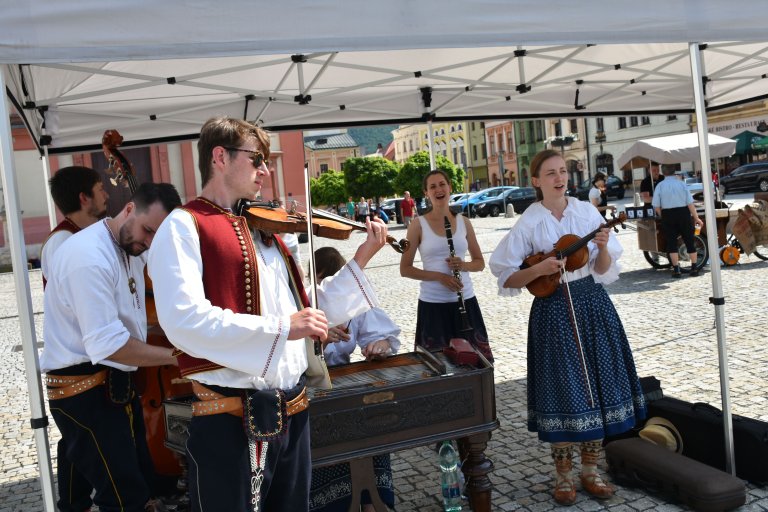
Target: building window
539,127
510,142
485,153
522,134
500,142
493,146
671,118
459,128
574,126
633,121
644,120
323,168
622,122
410,144
558,129
474,152
473,125
453,129
599,122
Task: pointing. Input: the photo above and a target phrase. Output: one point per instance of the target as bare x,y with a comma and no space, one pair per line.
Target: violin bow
312,267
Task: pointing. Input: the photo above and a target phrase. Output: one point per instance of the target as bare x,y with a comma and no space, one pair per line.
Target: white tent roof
675,149
157,70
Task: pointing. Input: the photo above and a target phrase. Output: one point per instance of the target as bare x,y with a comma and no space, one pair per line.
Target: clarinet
465,327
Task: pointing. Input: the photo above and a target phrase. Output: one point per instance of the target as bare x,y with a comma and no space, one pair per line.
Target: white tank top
433,250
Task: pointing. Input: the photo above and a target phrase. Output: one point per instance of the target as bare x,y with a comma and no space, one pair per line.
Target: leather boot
591,480
565,491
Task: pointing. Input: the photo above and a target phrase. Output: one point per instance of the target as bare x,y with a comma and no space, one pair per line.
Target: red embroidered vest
64,225
230,271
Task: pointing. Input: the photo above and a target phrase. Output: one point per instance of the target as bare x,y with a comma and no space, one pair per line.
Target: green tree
328,189
417,166
370,177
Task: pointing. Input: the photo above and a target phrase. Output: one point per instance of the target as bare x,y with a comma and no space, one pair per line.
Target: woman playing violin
582,383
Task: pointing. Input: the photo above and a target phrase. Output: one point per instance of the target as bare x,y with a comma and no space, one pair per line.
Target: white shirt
538,230
253,349
51,245
89,311
364,329
433,250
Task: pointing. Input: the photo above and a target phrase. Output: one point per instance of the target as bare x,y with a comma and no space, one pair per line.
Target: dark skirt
438,322
570,400
331,489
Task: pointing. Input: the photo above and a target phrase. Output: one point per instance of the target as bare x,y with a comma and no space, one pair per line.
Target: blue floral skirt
570,398
331,489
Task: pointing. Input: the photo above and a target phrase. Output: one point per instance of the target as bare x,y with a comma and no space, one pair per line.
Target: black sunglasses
256,157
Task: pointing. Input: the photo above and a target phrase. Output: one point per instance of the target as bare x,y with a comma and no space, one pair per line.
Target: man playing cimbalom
674,204
95,328
230,298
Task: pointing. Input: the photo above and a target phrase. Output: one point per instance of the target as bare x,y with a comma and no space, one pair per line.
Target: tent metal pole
39,420
46,176
431,142
717,285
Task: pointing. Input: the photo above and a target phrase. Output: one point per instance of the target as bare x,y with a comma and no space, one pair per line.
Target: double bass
155,383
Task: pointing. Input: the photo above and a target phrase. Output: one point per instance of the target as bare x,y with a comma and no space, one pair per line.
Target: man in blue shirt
674,204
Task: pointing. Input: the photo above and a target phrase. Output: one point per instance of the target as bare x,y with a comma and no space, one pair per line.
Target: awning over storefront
745,142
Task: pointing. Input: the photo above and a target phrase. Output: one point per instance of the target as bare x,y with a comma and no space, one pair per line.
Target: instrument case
701,428
636,462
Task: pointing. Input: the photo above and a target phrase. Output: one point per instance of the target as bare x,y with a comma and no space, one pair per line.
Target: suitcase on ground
701,428
636,462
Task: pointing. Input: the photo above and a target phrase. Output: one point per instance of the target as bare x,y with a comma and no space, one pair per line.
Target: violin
271,217
568,246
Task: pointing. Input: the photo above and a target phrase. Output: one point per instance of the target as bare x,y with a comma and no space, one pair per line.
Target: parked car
391,208
467,204
694,185
614,187
519,197
747,177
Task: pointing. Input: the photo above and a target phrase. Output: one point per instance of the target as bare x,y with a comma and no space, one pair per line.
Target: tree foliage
328,189
417,166
370,177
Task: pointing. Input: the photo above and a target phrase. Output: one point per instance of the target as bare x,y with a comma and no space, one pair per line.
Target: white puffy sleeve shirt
253,349
89,310
538,230
364,329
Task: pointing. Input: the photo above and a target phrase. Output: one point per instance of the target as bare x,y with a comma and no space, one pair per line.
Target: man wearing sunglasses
230,299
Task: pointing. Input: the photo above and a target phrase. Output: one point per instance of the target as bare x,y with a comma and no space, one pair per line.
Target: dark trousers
674,222
220,466
74,489
107,444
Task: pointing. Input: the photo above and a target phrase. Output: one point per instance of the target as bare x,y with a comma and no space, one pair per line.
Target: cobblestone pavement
669,322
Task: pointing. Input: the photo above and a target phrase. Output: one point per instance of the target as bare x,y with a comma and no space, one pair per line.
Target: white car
694,185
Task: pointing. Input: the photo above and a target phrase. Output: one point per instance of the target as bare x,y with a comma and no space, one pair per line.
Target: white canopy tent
156,70
675,149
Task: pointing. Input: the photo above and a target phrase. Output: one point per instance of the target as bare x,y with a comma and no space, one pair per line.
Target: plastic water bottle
449,478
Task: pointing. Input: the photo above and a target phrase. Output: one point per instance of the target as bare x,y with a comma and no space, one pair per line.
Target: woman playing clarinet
447,306
582,383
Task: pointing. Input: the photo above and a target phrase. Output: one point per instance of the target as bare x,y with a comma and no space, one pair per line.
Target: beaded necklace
126,264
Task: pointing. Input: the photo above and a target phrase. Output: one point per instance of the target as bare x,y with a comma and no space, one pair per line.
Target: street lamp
561,142
600,138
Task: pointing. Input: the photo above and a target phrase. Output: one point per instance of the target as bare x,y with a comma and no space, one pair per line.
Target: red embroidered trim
360,285
272,350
